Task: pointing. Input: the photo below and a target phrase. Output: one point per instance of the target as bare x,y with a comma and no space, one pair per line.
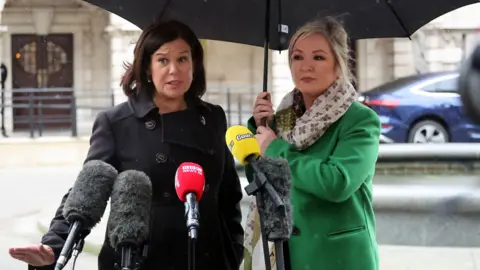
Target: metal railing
59,108
36,110
440,152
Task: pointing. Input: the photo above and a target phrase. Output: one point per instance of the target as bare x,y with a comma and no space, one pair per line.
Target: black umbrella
248,22
270,23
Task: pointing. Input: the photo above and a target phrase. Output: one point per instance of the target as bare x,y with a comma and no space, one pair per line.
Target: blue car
423,108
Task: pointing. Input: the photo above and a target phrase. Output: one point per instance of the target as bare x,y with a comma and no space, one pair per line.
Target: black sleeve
101,148
231,195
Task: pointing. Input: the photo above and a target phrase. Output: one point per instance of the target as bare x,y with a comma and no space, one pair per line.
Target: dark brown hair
135,78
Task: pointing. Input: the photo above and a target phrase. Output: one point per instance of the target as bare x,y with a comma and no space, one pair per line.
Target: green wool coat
334,222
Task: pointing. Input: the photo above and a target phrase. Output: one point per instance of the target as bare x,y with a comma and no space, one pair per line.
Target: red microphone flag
189,178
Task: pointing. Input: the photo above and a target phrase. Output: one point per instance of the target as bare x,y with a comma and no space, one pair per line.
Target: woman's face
171,69
313,65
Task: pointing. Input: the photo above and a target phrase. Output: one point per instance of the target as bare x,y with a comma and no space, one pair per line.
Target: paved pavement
22,209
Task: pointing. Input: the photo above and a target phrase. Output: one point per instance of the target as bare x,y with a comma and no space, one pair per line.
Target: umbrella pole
265,52
266,250
265,47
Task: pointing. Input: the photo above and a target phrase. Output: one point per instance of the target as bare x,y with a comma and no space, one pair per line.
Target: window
448,85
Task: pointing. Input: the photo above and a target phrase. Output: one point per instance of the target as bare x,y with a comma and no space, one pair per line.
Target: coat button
150,124
202,120
295,231
211,152
160,158
167,195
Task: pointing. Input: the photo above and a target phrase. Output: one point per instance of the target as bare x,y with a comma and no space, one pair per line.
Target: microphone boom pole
66,250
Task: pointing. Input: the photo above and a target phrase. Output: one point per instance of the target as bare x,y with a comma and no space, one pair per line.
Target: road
20,206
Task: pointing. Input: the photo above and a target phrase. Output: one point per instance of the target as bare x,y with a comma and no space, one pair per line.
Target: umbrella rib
159,17
392,9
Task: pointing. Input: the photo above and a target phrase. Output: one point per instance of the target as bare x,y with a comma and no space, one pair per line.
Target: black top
134,136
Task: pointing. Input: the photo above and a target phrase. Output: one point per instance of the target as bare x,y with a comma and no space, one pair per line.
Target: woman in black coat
164,123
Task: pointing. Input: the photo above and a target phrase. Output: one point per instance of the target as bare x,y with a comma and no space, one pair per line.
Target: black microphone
469,85
129,221
85,204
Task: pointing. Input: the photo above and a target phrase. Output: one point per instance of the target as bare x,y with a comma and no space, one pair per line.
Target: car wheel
428,131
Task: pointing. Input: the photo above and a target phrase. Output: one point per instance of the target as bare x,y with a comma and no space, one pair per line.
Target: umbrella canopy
242,21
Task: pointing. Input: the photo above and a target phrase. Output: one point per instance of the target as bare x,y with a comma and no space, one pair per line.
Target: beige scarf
301,128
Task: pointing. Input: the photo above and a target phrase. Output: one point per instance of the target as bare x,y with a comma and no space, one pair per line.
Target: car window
394,85
446,86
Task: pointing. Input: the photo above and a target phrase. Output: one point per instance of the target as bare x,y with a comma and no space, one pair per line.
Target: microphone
278,224
85,205
469,85
246,150
129,221
189,185
271,176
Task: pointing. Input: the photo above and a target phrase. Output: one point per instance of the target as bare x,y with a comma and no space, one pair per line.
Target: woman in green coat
331,143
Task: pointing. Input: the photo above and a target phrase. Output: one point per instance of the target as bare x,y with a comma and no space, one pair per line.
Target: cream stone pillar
123,36
42,19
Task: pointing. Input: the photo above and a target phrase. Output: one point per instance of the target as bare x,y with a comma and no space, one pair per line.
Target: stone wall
90,49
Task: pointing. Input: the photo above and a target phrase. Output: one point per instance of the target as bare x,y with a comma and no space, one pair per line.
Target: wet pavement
27,195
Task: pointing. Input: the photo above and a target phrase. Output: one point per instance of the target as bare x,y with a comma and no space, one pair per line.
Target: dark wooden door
42,73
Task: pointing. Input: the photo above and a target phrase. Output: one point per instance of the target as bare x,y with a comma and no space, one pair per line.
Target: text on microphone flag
244,136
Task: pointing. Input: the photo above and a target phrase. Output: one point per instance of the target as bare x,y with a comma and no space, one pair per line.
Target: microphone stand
127,258
77,250
259,183
193,216
71,240
131,258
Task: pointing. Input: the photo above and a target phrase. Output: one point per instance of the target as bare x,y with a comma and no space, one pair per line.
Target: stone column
281,78
374,62
123,36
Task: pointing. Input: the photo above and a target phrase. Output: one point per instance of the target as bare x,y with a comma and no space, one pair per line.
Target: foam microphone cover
88,198
276,225
242,143
129,220
189,178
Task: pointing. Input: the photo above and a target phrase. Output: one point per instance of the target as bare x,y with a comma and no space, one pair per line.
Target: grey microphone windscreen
129,219
277,171
89,195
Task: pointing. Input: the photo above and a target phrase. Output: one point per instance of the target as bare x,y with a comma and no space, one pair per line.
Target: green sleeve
253,128
341,174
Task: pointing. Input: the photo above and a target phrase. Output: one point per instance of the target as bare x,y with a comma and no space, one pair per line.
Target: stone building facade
69,44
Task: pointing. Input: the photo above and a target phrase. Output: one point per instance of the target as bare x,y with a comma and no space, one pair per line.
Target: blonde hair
337,37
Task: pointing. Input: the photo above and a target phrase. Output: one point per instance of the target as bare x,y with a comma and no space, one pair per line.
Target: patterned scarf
301,128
